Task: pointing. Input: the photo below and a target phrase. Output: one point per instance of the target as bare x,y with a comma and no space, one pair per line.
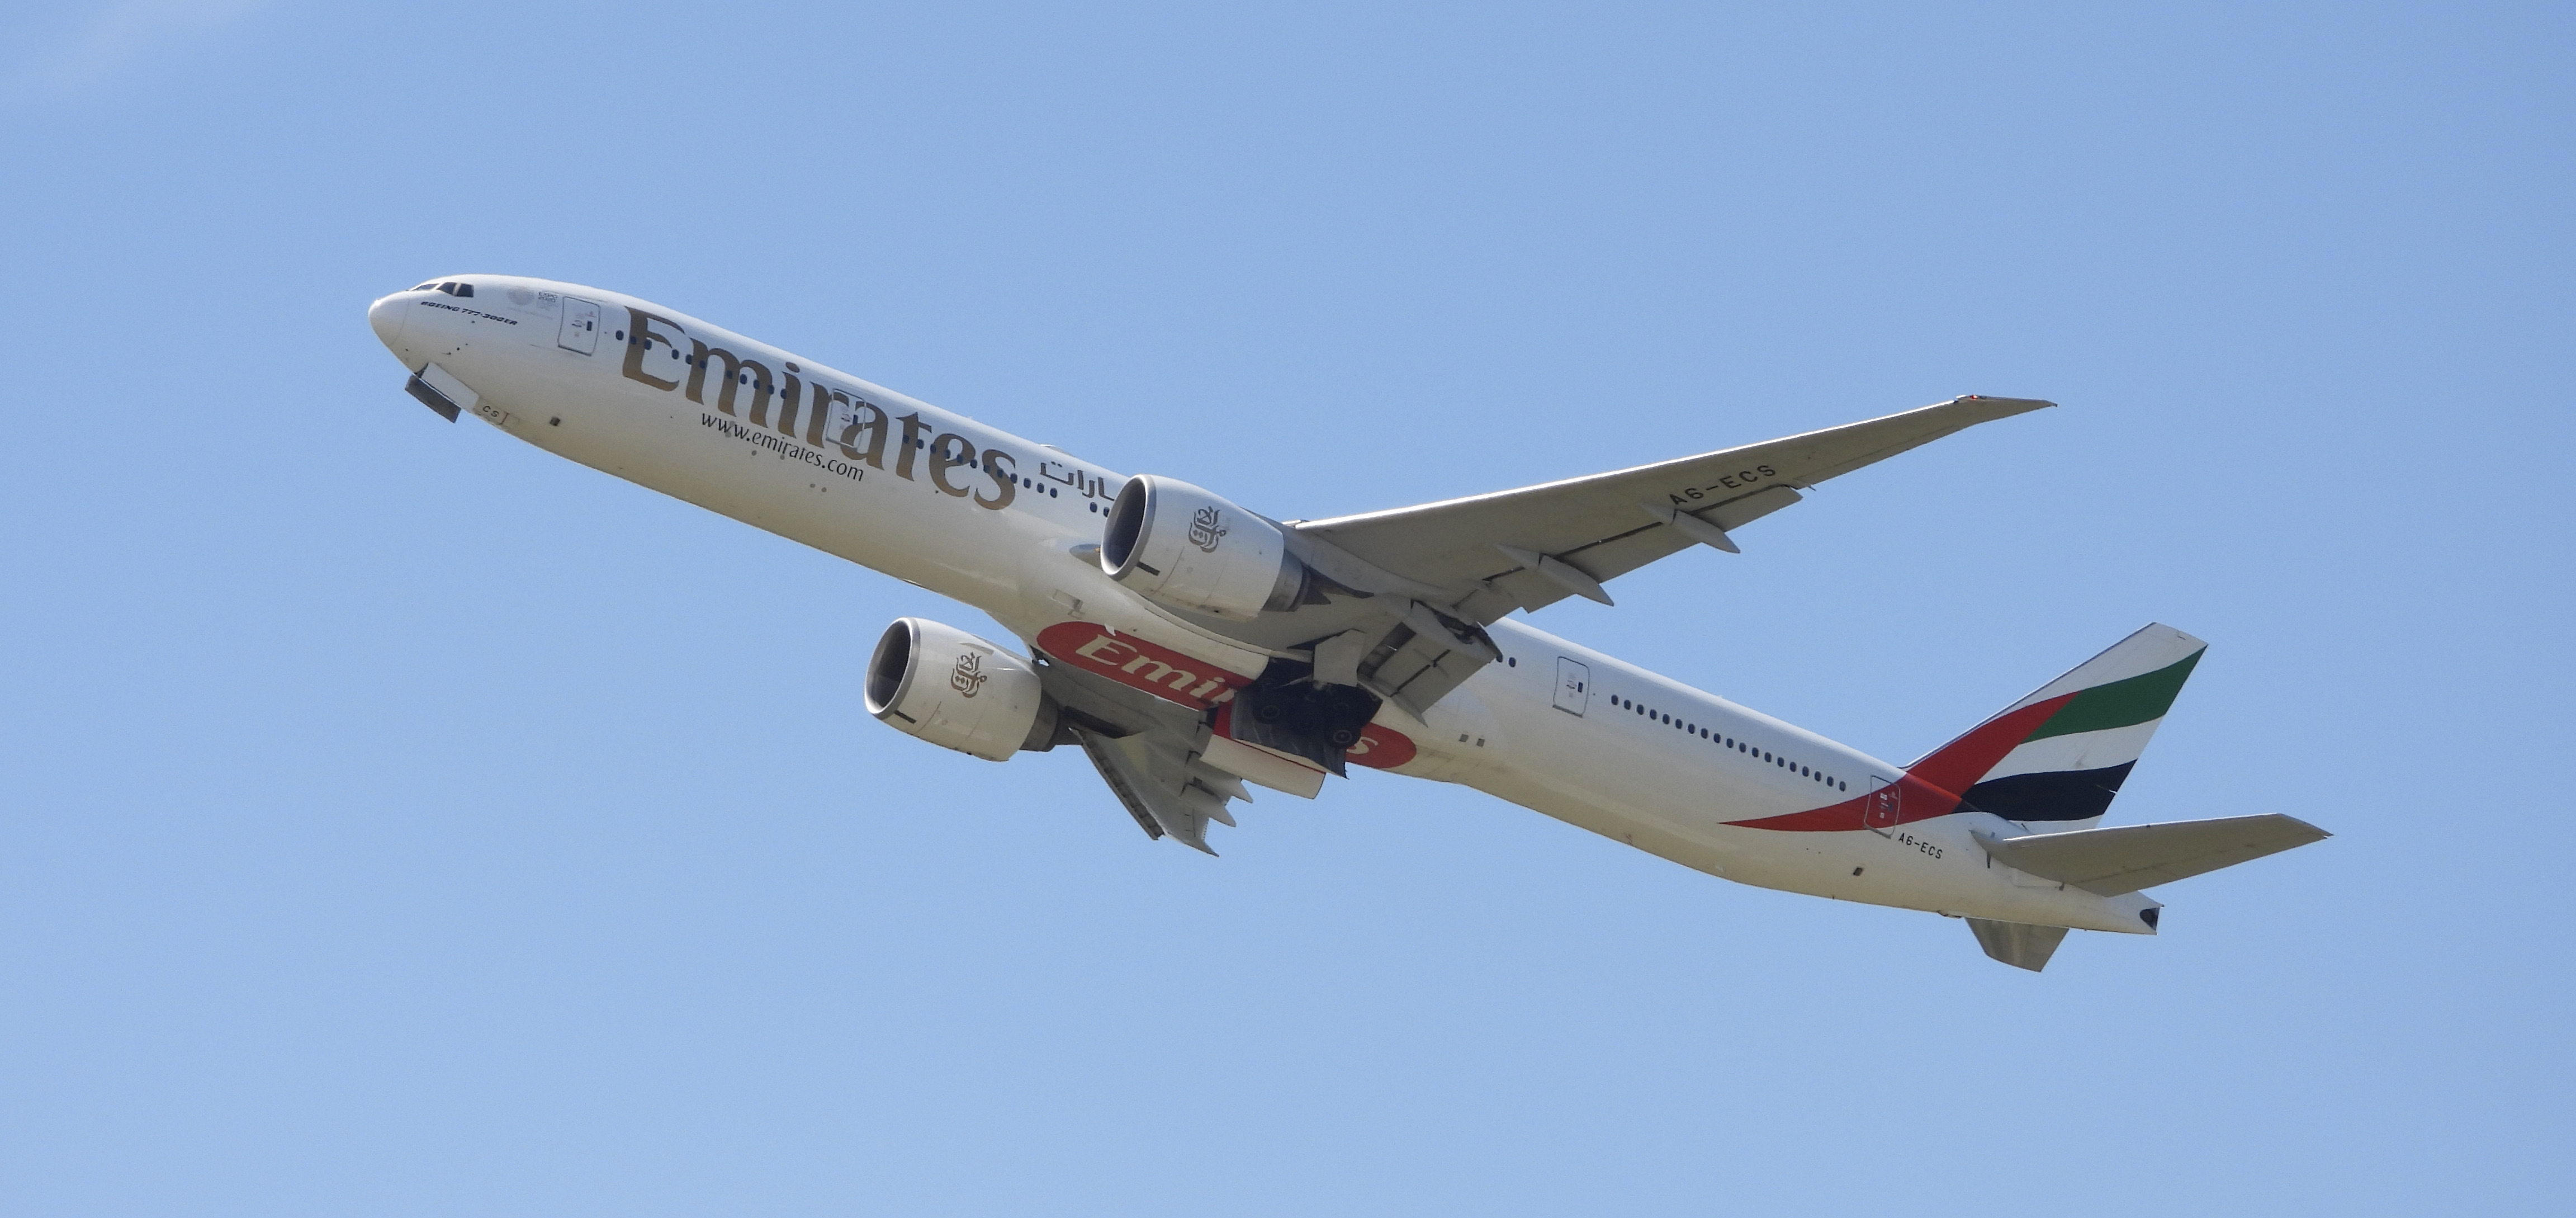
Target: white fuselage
996,522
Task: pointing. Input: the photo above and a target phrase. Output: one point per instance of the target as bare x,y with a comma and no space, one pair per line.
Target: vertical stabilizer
2055,758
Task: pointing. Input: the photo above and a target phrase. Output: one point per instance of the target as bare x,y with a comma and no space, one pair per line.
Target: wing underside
1150,753
1165,787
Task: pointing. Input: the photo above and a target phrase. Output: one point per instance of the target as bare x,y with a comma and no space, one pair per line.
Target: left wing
1486,555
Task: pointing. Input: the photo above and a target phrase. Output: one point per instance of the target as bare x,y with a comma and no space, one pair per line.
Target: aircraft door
1573,685
1881,808
580,331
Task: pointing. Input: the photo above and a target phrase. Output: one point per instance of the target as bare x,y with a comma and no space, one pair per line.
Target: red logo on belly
1379,747
1128,660
1196,684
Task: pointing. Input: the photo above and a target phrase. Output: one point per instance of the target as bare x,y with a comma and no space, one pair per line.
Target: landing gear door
1883,807
580,330
1573,686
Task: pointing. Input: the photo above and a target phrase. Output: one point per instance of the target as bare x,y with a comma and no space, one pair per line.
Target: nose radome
385,317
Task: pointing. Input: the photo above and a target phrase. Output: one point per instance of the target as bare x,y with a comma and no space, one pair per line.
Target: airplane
1189,646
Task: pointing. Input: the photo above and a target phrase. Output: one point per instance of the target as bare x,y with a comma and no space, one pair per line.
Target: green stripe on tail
2121,703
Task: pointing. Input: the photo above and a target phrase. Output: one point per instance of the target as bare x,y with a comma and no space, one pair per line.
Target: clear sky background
397,820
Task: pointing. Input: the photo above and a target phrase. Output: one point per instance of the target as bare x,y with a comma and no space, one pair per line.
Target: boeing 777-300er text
1188,646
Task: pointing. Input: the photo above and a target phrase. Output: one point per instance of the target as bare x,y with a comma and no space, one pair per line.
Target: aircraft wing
1148,751
1163,783
1527,548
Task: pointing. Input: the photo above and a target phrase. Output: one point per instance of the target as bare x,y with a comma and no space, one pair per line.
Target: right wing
1149,751
1164,785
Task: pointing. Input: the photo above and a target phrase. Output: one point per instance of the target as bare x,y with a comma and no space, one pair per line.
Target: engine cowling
957,691
1183,546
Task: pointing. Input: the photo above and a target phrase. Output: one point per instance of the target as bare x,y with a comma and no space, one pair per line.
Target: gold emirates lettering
700,355
639,343
948,450
787,401
1100,643
1148,670
864,417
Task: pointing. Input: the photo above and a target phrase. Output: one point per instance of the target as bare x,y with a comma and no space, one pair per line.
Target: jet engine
1184,547
958,691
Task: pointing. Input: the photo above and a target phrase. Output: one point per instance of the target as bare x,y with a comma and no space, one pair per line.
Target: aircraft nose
385,317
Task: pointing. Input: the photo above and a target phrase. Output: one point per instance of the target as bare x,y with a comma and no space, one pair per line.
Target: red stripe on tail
1958,765
1930,788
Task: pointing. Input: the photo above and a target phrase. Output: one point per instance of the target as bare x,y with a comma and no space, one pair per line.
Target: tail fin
2059,755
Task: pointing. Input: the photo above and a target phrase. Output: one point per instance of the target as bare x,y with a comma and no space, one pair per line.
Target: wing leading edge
1531,547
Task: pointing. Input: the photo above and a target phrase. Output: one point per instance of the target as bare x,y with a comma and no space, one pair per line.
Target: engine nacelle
957,691
1180,545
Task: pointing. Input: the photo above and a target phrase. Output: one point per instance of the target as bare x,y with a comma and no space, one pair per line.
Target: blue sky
397,820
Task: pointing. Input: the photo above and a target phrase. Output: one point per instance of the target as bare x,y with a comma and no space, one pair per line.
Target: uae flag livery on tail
2059,755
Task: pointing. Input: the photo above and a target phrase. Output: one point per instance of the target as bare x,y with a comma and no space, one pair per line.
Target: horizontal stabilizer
2018,944
2110,862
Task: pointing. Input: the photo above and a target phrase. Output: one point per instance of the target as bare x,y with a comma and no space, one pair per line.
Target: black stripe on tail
2055,795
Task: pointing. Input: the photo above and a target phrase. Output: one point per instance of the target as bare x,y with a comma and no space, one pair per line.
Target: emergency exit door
1573,685
580,329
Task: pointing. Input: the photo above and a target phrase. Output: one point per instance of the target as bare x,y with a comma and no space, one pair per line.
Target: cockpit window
464,289
424,287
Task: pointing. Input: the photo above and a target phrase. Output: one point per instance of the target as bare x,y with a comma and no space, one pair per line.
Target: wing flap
1164,793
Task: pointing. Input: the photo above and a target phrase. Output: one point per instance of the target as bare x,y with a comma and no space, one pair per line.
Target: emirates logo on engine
968,679
1204,532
